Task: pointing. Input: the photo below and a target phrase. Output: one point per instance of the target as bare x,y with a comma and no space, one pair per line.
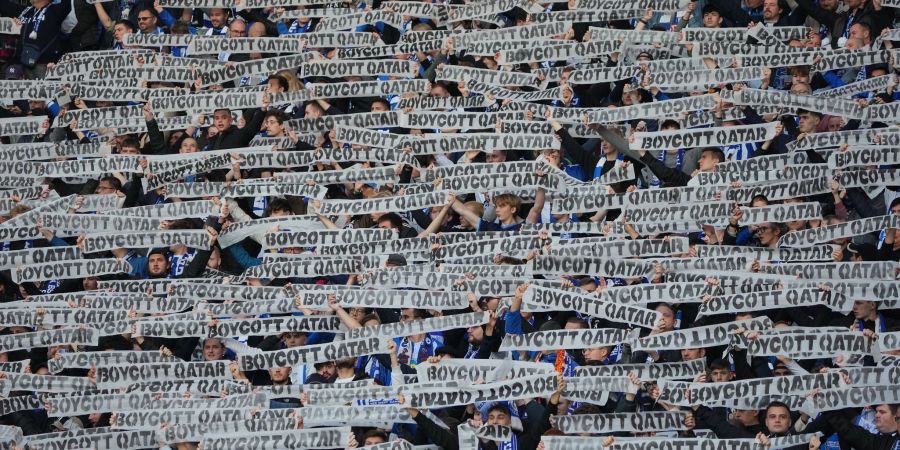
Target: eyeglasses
144,18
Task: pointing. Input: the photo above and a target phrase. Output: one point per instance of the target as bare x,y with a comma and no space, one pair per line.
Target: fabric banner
739,34
780,191
20,126
835,270
824,105
346,68
688,394
47,383
312,354
426,103
177,210
457,120
316,238
619,422
707,137
564,265
699,337
864,178
626,249
494,77
198,239
851,397
67,270
864,157
400,329
12,258
558,52
827,233
567,339
763,163
526,32
476,371
487,142
380,175
207,103
252,67
585,16
363,120
385,51
527,387
643,294
815,141
85,360
304,268
386,204
503,93
762,301
237,190
566,300
812,253
889,341
273,325
437,300
810,345
703,78
194,386
679,213
867,85
196,431
239,45
118,376
742,177
645,372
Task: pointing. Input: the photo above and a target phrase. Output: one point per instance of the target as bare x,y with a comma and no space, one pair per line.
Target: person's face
828,5
119,31
863,309
146,21
406,315
213,350
327,370
778,420
853,4
552,157
217,18
222,120
720,375
312,112
859,31
237,29
129,151
667,316
884,419
189,145
800,88
357,313
771,11
504,212
274,127
379,107
105,187
834,124
476,335
745,417
595,354
707,162
274,86
280,374
712,20
496,157
767,234
295,339
372,440
690,354
439,91
215,259
157,265
497,417
90,283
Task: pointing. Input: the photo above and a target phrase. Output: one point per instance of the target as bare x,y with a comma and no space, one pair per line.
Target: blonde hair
294,83
508,200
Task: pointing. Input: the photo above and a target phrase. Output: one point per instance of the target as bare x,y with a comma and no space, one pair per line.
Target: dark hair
113,181
375,433
278,204
801,111
282,82
280,116
500,407
716,152
384,102
719,364
577,321
393,218
125,22
670,123
130,142
370,316
777,404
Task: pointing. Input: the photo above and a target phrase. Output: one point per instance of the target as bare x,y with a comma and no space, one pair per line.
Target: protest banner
312,354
